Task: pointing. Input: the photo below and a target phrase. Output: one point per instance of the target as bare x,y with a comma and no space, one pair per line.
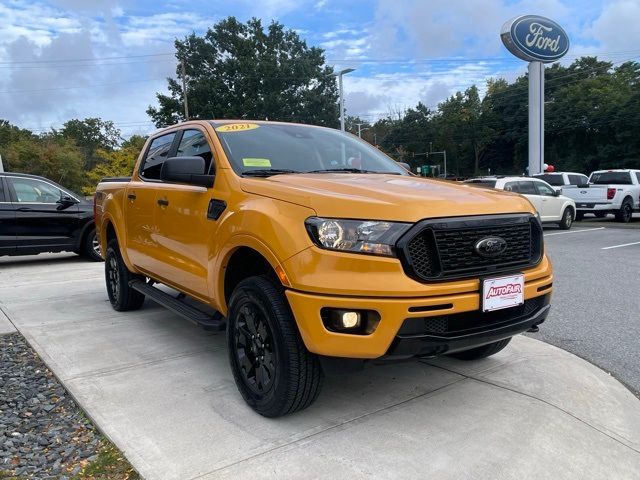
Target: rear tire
567,219
626,211
91,247
483,351
272,368
117,277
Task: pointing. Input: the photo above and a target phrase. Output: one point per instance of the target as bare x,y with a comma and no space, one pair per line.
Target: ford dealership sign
535,39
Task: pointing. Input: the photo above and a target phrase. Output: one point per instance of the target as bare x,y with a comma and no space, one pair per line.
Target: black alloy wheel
117,277
625,213
273,370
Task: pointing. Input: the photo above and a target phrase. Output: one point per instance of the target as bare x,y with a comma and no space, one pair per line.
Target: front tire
91,247
483,351
626,211
272,368
117,276
567,219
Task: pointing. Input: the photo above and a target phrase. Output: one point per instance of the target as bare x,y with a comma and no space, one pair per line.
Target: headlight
360,236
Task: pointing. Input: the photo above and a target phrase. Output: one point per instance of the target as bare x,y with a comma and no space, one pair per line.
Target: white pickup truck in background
609,191
560,181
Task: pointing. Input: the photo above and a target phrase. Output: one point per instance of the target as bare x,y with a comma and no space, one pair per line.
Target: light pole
340,74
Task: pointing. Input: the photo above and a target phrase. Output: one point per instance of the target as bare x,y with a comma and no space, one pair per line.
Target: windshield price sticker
503,292
236,127
256,162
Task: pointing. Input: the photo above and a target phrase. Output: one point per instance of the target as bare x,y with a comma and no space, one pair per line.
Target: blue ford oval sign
535,39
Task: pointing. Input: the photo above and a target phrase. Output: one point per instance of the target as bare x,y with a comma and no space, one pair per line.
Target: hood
385,197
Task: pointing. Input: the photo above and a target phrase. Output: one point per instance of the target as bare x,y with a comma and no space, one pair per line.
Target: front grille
444,248
470,322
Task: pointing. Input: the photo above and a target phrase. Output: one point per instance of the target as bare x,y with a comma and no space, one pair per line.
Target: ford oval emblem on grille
490,246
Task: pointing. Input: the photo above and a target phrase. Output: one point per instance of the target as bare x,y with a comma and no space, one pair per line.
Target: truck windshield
555,180
616,178
274,148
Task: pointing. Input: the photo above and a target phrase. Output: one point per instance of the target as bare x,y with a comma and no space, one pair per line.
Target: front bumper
394,312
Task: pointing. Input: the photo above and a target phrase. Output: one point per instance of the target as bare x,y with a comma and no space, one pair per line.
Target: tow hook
534,329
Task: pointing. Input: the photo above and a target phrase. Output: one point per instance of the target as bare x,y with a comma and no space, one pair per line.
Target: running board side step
215,322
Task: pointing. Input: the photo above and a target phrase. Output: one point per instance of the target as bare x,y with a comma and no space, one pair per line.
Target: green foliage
592,114
239,70
90,135
114,163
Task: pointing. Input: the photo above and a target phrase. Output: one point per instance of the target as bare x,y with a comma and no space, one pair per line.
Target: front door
528,189
41,220
184,232
7,222
551,204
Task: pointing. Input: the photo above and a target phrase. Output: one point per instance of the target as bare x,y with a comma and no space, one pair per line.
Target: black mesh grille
442,249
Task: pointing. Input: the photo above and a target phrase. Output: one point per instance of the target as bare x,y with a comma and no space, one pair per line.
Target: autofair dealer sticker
503,292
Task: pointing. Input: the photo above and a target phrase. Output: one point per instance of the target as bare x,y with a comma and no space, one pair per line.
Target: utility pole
184,90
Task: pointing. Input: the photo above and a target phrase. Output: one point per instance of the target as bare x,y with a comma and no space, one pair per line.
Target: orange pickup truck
317,253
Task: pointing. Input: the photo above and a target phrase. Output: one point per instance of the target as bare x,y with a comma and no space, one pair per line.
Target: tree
90,135
115,163
239,70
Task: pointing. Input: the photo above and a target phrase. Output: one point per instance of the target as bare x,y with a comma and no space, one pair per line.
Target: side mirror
187,170
66,201
557,193
405,165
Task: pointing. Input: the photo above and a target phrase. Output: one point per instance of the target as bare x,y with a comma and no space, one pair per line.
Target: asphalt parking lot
596,305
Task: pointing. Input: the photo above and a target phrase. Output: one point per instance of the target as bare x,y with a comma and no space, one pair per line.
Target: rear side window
555,180
156,155
604,178
577,180
194,144
527,188
512,187
482,183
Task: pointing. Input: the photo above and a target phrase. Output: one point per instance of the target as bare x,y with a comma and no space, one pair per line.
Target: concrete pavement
161,389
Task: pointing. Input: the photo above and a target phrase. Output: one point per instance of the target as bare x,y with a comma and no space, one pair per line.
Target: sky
62,59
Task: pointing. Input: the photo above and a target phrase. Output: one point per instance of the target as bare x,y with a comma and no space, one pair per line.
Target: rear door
41,221
182,211
7,222
140,201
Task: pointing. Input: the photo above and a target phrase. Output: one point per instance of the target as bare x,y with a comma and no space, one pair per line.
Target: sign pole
536,117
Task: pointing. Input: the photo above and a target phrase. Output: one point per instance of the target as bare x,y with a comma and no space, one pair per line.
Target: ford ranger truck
317,253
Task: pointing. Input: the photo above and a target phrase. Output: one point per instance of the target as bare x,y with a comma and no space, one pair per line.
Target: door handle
162,202
23,209
132,196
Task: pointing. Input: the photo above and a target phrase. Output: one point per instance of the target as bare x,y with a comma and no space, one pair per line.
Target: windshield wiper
350,170
267,172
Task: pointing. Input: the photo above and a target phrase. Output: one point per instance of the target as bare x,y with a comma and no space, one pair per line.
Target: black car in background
38,215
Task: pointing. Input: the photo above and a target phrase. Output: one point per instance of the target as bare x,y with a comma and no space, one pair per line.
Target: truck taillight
611,192
94,206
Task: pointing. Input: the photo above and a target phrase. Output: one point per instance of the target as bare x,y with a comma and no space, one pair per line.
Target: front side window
638,176
545,190
30,190
194,144
156,155
2,196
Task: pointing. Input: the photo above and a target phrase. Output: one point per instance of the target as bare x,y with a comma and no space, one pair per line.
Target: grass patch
110,464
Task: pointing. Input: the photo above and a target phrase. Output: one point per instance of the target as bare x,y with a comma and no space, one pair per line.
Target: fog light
358,322
350,319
